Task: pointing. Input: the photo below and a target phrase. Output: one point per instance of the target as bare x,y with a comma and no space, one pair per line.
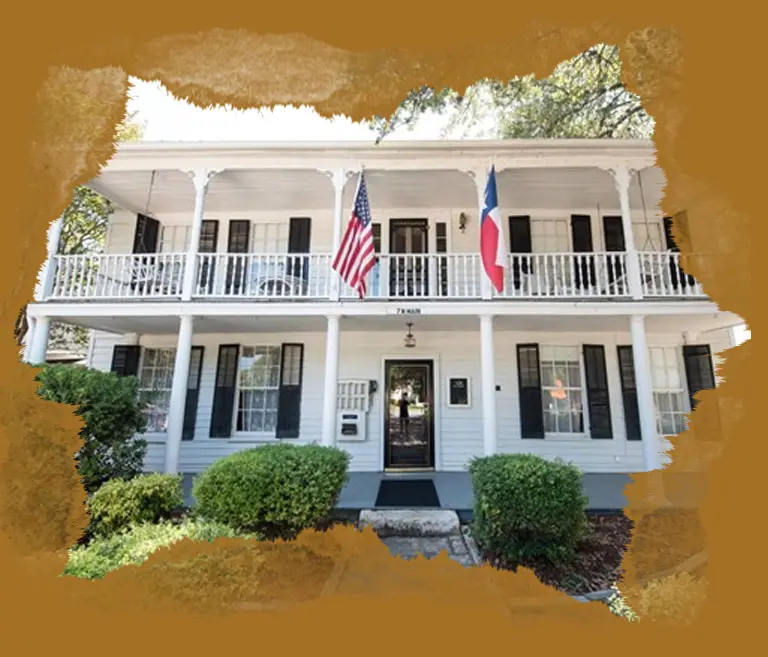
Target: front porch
454,489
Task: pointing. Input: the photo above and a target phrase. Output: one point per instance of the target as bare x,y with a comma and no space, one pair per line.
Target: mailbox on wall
351,426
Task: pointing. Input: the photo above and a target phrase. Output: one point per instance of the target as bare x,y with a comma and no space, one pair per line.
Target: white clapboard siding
458,431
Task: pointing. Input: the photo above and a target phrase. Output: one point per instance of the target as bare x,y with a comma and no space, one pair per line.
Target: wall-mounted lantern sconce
463,219
409,342
373,386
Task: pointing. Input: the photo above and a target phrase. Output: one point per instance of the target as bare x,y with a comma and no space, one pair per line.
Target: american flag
356,255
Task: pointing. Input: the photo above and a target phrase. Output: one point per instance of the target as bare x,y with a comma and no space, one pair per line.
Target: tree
84,231
112,413
584,97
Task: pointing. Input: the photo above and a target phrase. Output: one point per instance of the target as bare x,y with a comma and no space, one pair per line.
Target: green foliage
133,547
584,97
277,489
121,503
112,414
619,607
527,507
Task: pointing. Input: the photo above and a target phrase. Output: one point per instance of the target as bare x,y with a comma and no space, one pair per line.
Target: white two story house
216,291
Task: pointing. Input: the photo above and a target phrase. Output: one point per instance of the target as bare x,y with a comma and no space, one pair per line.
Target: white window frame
538,237
144,390
269,237
672,360
173,230
557,436
261,435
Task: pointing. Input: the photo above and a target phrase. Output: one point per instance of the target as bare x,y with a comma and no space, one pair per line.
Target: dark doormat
408,493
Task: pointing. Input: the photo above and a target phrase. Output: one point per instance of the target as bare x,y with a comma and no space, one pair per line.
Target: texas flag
493,249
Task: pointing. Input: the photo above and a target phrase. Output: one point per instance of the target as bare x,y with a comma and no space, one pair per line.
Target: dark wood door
409,427
408,271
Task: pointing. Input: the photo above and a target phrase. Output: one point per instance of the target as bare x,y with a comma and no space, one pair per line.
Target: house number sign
408,311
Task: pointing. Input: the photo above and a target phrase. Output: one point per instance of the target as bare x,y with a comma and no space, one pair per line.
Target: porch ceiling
168,324
286,190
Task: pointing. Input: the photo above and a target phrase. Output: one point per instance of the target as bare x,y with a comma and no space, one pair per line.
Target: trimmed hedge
122,503
527,507
277,490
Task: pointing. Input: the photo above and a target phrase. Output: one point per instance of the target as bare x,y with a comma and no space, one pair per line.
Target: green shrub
121,503
619,607
112,414
134,546
527,507
278,489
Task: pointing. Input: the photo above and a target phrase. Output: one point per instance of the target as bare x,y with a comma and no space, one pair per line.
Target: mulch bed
597,565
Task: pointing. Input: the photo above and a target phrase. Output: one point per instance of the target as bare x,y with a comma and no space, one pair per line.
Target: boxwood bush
527,507
277,490
121,503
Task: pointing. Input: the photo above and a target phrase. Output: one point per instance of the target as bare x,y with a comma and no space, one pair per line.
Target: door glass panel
409,422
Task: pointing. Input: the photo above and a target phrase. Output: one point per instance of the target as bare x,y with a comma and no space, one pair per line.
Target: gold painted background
64,90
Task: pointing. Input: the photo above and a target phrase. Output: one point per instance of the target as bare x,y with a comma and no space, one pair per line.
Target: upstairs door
408,245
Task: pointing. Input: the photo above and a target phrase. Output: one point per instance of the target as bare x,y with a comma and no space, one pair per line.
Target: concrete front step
411,522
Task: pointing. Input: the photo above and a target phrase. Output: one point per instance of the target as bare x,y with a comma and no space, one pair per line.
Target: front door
408,245
409,417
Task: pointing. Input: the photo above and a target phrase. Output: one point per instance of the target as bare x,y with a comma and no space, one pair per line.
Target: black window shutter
289,399
299,235
668,238
598,397
441,246
529,381
146,239
209,236
376,230
125,359
520,242
238,241
147,235
613,234
584,266
224,391
629,392
613,231
209,243
699,370
193,392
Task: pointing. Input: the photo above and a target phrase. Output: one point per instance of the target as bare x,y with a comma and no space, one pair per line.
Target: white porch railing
106,277
263,276
662,276
454,276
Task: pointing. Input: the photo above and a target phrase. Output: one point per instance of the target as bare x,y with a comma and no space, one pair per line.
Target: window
650,237
269,237
258,389
155,381
550,236
562,389
174,239
668,390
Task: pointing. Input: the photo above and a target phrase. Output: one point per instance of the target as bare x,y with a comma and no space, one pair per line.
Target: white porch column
622,177
201,178
39,341
339,179
330,385
488,369
645,404
178,394
29,338
45,286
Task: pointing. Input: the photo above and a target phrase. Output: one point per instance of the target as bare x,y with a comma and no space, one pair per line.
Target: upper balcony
423,277
573,232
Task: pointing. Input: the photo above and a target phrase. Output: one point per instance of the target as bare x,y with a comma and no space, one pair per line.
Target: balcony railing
455,276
